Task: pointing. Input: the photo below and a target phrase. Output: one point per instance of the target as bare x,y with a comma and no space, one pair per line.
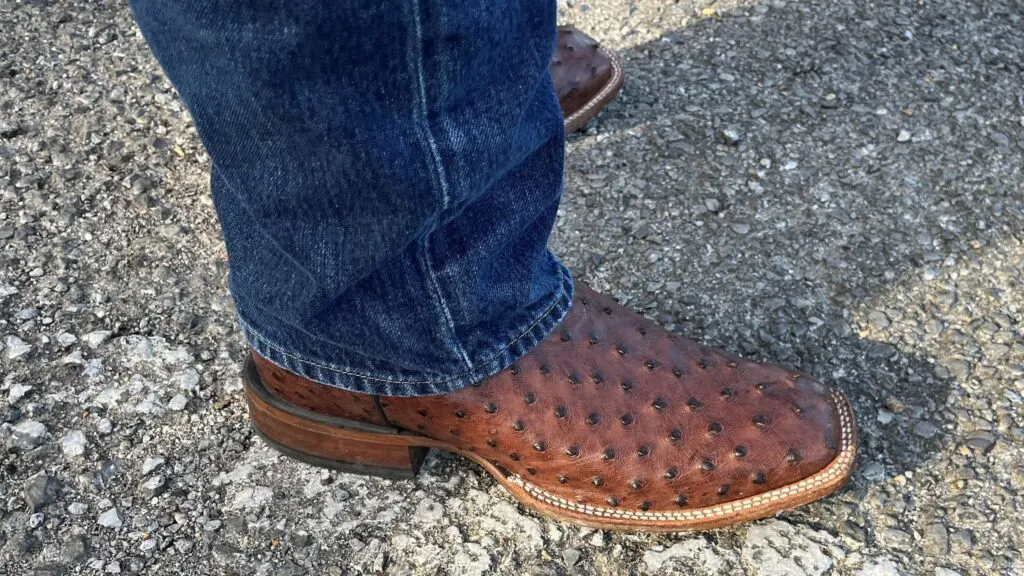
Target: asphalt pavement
832,185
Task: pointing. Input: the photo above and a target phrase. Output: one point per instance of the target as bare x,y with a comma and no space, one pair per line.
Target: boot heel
321,440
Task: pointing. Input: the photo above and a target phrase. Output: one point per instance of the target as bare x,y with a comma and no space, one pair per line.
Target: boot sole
361,448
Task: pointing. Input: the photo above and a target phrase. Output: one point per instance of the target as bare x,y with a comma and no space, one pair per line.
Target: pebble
75,549
66,339
959,369
110,519
983,441
313,487
732,136
153,487
183,546
149,405
104,426
152,463
177,403
570,557
962,539
895,538
189,380
903,136
925,430
999,139
35,520
111,397
93,367
428,511
643,231
107,471
881,350
11,415
936,539
895,405
73,358
78,508
39,491
878,320
73,444
17,392
16,347
96,338
27,434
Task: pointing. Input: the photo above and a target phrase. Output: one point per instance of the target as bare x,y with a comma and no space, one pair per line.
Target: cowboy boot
586,76
610,422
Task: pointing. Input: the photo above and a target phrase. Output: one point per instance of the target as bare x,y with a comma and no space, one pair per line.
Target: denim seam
415,49
421,95
435,288
254,336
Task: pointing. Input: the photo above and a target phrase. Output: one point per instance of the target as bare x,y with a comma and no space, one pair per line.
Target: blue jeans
386,174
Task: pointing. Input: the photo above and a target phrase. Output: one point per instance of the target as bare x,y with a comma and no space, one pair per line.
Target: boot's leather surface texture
586,76
611,422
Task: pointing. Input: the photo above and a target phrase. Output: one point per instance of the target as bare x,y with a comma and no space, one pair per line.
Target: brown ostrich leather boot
611,422
586,76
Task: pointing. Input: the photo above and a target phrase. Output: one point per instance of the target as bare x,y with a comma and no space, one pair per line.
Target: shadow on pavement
802,175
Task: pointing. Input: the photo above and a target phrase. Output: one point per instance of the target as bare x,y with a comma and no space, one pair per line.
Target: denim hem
377,381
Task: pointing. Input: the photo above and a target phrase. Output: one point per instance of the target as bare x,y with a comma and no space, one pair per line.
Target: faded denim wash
386,174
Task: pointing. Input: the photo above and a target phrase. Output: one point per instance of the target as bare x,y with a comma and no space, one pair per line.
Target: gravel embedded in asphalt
832,185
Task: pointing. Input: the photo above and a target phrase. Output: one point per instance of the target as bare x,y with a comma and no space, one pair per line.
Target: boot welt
578,118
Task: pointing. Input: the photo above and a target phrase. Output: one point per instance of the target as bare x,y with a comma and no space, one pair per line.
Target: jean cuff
378,379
